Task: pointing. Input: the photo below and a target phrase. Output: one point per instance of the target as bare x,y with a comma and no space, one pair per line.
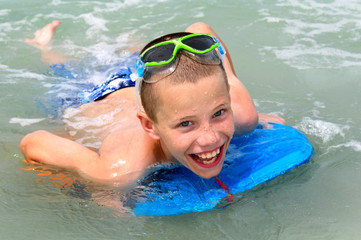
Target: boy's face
195,123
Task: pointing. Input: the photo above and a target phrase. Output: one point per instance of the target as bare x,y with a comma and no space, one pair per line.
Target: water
299,59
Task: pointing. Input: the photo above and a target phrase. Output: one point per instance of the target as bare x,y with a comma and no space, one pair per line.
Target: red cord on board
229,196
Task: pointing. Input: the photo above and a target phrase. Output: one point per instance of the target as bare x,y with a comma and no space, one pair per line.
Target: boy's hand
270,118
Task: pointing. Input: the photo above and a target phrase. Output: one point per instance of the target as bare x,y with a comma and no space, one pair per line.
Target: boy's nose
207,137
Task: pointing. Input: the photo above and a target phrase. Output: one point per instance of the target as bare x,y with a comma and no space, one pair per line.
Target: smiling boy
191,107
193,119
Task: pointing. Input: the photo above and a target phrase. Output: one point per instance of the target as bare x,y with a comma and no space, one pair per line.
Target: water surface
299,59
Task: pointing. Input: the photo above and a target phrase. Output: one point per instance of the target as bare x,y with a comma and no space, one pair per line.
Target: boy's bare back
116,130
116,112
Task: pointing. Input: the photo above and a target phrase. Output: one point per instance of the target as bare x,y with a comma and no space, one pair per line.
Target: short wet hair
187,71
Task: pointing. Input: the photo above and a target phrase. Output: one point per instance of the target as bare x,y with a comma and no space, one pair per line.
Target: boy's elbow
28,142
245,123
24,143
28,139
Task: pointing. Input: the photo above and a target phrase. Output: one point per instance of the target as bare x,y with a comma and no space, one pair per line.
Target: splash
354,145
26,121
321,129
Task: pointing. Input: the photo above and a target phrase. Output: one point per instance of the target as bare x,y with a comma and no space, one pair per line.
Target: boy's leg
41,41
200,27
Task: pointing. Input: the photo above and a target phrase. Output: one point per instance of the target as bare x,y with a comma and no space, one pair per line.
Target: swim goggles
160,60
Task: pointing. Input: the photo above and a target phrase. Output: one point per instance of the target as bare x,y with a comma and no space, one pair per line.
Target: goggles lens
200,42
159,53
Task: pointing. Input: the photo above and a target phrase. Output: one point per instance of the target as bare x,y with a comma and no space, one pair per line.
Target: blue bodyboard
250,160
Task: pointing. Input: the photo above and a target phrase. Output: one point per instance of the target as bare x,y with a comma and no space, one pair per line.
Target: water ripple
321,35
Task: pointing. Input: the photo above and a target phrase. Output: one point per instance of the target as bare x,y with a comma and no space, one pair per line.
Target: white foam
4,12
25,121
6,27
97,24
199,15
354,145
28,75
4,67
316,29
301,56
337,7
20,73
273,19
326,131
316,110
56,2
319,104
117,5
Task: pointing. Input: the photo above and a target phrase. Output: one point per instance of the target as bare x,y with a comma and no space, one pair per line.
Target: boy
191,107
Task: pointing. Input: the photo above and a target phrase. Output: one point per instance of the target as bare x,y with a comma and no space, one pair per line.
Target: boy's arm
245,114
47,148
108,165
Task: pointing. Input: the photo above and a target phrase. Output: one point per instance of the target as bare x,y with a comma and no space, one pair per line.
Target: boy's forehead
173,95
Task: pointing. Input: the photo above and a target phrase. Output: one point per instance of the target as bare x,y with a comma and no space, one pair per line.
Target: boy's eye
185,124
218,113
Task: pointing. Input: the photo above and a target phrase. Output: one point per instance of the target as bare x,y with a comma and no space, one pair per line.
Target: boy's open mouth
208,159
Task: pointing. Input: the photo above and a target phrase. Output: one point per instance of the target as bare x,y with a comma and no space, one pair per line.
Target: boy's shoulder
129,150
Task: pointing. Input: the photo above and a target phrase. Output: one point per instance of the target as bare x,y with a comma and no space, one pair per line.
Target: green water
298,59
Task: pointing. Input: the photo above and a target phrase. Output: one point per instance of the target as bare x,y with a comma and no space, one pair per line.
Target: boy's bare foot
44,35
41,40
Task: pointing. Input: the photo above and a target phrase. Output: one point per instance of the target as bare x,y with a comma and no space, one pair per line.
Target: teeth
210,161
211,156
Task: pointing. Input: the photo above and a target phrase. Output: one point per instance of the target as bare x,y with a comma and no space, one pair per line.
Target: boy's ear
148,125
